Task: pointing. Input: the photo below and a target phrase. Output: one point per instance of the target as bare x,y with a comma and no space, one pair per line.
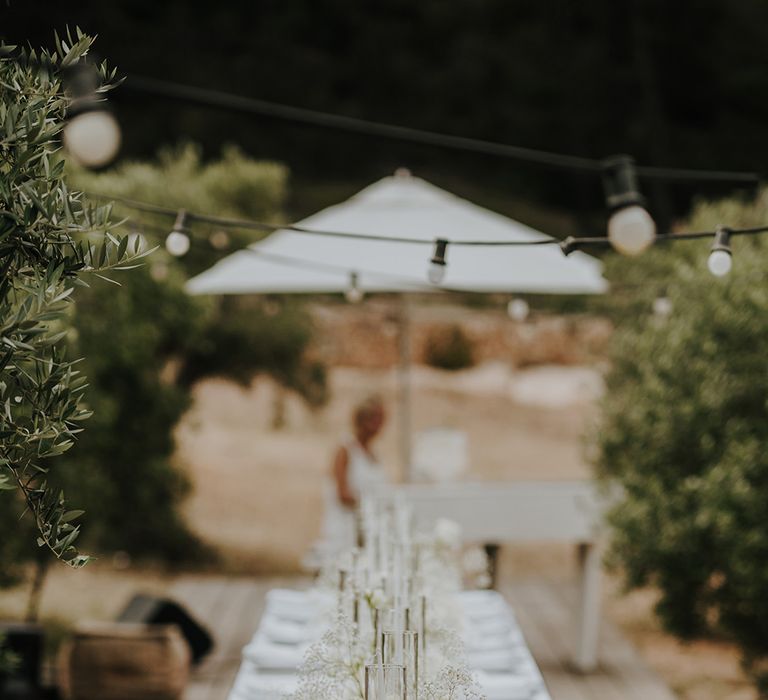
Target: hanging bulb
158,271
178,243
92,137
720,260
91,133
518,309
354,294
219,240
631,229
662,307
437,265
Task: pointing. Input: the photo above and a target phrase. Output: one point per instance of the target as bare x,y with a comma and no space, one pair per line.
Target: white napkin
506,686
265,654
251,684
297,606
481,599
282,631
474,641
489,626
493,660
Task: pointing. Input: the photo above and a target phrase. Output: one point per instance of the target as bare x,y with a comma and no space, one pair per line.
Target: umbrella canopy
401,206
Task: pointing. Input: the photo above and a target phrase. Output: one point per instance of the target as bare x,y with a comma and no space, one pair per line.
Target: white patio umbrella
400,207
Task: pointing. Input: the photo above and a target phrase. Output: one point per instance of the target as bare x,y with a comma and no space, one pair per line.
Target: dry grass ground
257,489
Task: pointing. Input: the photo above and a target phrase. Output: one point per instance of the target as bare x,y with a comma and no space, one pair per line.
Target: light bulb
92,138
219,240
518,309
177,243
662,307
631,230
436,273
720,263
354,295
158,271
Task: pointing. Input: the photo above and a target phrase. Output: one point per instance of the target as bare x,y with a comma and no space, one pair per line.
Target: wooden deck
232,607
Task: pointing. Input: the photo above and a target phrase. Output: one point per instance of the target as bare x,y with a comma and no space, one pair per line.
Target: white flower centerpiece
397,582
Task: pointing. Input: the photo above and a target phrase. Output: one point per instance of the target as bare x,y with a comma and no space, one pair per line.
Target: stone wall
366,335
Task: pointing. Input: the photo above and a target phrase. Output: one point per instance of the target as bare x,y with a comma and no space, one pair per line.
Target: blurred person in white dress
355,474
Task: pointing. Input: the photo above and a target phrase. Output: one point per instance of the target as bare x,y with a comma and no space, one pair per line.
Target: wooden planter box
117,661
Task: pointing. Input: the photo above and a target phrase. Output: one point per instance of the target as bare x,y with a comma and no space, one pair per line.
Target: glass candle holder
385,682
403,648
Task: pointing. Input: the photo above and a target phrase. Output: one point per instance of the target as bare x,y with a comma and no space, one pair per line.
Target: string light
631,230
437,265
662,306
563,161
91,133
720,261
178,242
518,310
354,294
219,240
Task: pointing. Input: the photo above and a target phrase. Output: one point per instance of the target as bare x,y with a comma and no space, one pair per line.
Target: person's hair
367,407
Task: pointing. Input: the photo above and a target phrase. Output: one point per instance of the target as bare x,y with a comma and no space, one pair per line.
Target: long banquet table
496,651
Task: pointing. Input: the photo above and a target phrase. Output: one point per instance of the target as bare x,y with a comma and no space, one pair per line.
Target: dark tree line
682,83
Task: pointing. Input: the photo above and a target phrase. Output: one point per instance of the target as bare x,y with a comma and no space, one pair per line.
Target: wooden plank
557,620
621,659
558,677
232,608
206,597
224,661
545,611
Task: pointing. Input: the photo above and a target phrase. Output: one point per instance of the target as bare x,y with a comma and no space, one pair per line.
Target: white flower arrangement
475,566
447,533
334,666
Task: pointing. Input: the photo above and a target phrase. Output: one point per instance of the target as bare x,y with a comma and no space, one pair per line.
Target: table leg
589,608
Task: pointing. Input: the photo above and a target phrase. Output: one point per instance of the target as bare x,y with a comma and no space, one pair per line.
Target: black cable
568,245
264,226
216,98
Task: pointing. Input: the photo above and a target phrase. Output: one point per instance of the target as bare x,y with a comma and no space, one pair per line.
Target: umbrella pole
404,389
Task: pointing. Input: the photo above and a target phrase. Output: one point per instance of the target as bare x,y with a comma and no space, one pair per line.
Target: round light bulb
92,138
436,273
518,309
720,263
631,230
354,295
177,243
158,271
219,240
662,307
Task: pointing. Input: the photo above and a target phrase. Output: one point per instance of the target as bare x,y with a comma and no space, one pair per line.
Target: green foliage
149,341
248,335
122,471
232,186
8,660
448,348
683,431
49,237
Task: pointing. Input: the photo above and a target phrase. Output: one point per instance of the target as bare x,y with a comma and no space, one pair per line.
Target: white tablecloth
496,650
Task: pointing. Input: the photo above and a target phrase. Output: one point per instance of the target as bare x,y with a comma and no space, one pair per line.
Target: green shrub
449,348
683,431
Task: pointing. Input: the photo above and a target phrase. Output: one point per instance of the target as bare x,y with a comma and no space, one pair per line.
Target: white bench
496,512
